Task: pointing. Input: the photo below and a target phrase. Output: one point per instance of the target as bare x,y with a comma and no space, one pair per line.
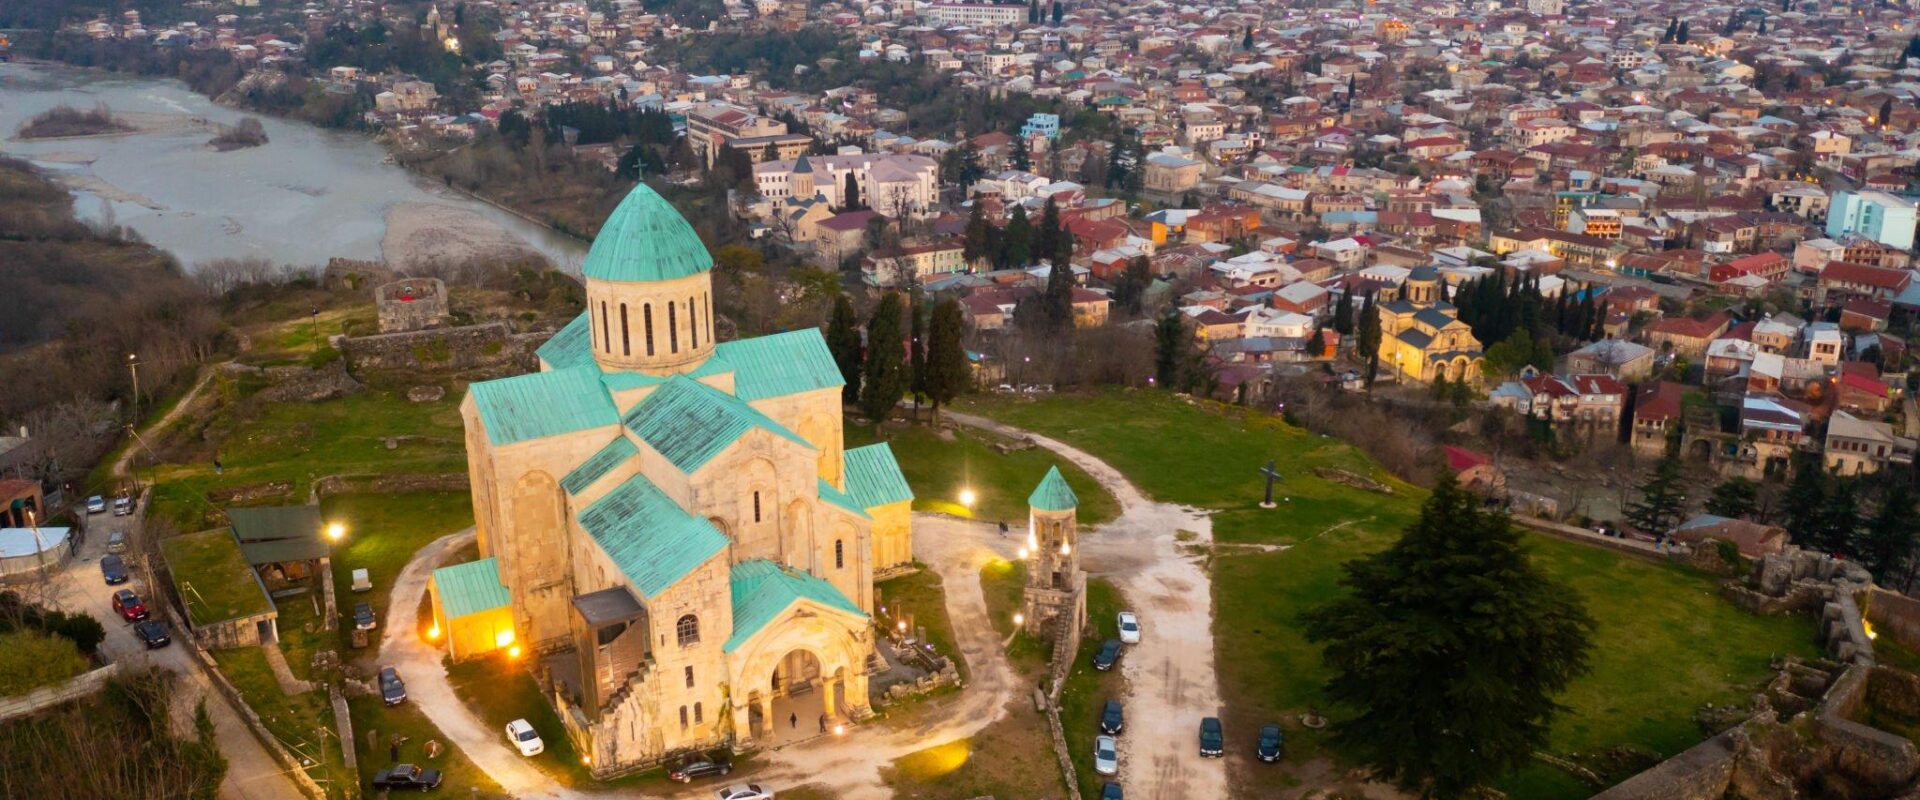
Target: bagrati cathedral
684,539
1421,336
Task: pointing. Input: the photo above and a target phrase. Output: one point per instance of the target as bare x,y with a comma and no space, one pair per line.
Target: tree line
905,350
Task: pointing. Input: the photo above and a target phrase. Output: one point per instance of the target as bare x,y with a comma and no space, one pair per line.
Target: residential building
1879,216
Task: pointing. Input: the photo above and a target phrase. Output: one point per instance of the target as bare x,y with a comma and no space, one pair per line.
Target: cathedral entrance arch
800,699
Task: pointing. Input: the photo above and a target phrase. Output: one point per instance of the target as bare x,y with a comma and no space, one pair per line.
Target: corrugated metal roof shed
470,588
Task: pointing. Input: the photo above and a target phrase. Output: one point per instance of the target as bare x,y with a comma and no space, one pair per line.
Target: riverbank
420,235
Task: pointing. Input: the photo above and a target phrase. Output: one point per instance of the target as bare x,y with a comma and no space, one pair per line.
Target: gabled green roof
599,464
781,364
841,499
651,538
470,588
264,523
690,422
571,347
762,590
645,239
873,476
542,404
1053,493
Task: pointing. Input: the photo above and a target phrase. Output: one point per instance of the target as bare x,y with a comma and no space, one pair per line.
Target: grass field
383,532
303,723
459,776
1004,584
212,577
921,595
938,469
1665,645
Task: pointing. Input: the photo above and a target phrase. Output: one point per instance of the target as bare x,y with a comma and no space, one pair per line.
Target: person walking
823,723
793,720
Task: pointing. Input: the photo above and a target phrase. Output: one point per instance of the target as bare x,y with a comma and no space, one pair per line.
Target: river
307,195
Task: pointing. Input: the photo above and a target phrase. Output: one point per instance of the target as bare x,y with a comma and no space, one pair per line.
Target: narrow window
683,716
626,344
689,677
756,506
696,713
673,328
606,332
646,321
839,553
693,325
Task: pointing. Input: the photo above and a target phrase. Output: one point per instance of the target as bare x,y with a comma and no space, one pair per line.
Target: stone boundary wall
45,697
233,698
331,485
1587,537
487,346
1883,760
1701,772
343,723
1061,752
1895,616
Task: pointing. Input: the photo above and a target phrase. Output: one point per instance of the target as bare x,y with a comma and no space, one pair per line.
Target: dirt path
1170,673
200,384
428,689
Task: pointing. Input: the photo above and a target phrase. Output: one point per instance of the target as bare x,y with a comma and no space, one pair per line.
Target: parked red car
128,605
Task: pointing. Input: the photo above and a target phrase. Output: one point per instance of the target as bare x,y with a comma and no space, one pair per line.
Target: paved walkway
1171,682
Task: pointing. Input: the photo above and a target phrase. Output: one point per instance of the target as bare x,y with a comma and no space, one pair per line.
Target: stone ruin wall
492,349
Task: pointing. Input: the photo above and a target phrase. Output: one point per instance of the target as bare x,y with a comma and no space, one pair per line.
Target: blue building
1882,217
1047,125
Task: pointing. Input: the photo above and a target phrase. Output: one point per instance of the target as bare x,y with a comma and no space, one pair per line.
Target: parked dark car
129,606
1110,791
114,570
1109,655
407,776
1212,740
1113,719
363,618
393,691
153,632
1271,745
686,773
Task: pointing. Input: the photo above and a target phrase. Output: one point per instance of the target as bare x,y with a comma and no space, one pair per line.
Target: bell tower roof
645,240
1053,493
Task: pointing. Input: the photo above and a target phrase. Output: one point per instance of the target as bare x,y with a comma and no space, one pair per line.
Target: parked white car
525,738
746,791
1106,755
1129,628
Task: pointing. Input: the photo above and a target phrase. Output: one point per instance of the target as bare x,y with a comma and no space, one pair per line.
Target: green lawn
212,577
383,532
460,776
1088,689
1666,643
500,691
938,469
303,723
921,595
1004,584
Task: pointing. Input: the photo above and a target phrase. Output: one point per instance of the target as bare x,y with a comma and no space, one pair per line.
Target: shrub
30,659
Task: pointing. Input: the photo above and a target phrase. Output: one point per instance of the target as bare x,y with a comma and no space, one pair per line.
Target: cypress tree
1806,495
1343,313
1734,498
1369,341
843,340
1048,231
1059,297
1886,547
948,372
884,379
1169,345
916,351
978,243
850,195
1018,250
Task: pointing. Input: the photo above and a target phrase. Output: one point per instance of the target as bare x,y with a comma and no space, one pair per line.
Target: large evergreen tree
843,340
1368,342
1017,250
1887,544
1343,313
1839,519
916,351
1130,291
979,237
1450,647
1169,348
1059,298
1661,502
850,195
1806,495
1047,233
883,379
948,372
1734,498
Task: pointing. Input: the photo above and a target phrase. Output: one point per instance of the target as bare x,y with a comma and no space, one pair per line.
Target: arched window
626,344
606,331
687,630
693,325
839,553
673,328
689,677
646,321
683,716
756,506
696,713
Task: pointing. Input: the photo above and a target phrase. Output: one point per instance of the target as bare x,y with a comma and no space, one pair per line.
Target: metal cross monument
1272,475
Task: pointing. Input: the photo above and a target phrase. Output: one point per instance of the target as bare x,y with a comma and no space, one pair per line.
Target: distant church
684,542
1422,337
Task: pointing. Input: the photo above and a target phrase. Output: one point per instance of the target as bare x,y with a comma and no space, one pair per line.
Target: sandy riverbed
419,234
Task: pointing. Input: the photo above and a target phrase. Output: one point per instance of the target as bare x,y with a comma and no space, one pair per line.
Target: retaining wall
45,697
488,346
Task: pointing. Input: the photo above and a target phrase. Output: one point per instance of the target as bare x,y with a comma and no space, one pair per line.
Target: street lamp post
133,369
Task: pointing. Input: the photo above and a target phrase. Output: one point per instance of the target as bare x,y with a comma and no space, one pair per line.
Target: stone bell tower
1056,586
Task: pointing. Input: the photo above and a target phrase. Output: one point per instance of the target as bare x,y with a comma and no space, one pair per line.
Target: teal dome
645,239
